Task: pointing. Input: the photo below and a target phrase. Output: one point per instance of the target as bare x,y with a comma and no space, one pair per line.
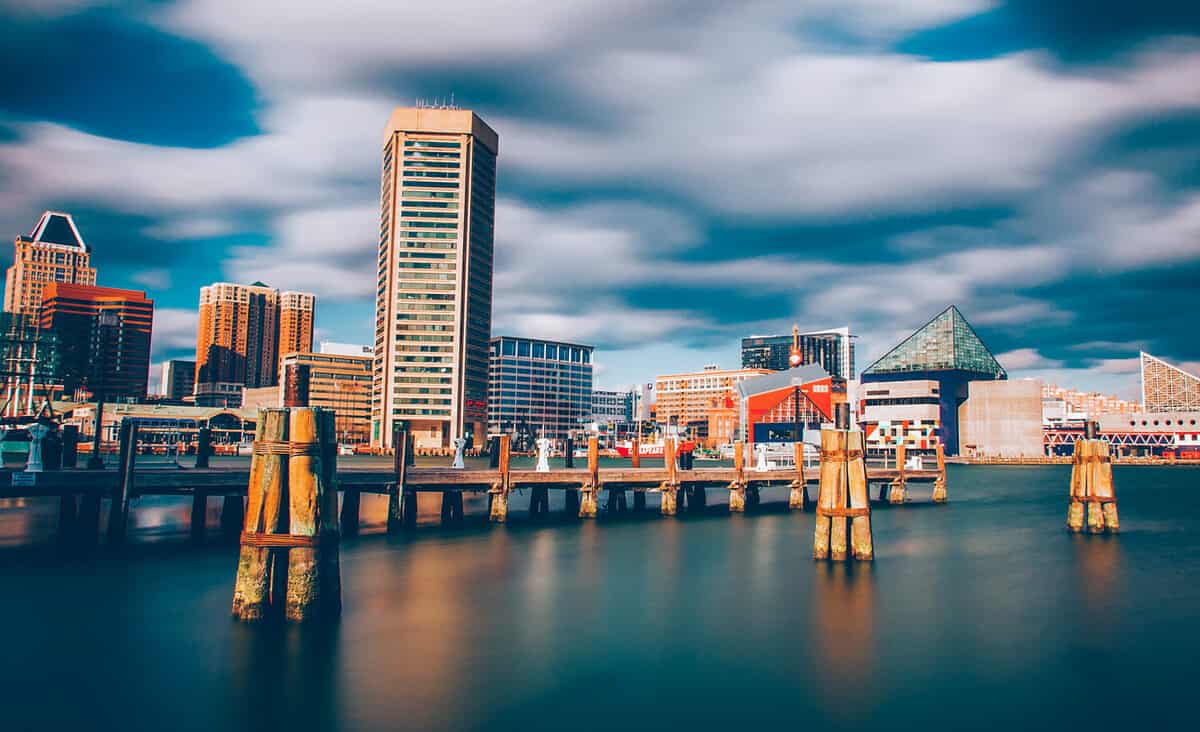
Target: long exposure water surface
982,613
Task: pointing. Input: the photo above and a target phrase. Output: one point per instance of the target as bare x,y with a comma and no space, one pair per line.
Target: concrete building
685,399
947,350
901,413
1167,388
539,388
53,252
178,379
832,350
237,343
341,383
104,338
1002,419
433,309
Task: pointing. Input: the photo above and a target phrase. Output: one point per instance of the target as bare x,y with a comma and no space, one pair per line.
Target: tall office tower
832,350
237,341
433,308
178,379
54,252
104,338
296,310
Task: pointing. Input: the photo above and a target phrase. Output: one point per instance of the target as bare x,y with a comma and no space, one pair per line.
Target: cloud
174,331
1024,359
155,278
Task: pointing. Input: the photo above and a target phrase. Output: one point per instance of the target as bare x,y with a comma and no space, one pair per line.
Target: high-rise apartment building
540,388
104,338
296,311
832,350
433,309
238,339
178,379
53,252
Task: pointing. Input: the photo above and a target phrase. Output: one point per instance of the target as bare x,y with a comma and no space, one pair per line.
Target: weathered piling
798,495
402,456
737,489
635,453
669,487
314,576
590,493
452,508
1092,486
498,513
266,516
843,495
939,483
118,510
898,492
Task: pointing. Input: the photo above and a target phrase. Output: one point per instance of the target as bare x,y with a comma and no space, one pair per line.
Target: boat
650,449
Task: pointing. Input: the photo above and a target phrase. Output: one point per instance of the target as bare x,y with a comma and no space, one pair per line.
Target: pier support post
737,489
266,515
842,496
616,501
939,483
118,511
639,500
199,514
1092,486
1078,486
203,446
314,574
898,492
351,502
452,507
539,503
401,457
798,495
670,487
591,489
499,511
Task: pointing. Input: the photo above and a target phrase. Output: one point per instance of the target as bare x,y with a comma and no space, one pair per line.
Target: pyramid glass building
1167,388
947,350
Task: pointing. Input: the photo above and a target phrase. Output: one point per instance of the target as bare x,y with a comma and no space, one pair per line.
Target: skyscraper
832,350
178,379
433,308
53,252
238,339
104,338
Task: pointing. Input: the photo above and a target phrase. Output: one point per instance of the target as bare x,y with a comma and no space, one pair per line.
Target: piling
798,495
314,575
616,501
199,514
939,483
203,446
639,500
452,508
635,454
266,516
669,487
499,491
118,511
1077,488
898,492
1092,486
737,489
589,495
843,495
401,457
295,385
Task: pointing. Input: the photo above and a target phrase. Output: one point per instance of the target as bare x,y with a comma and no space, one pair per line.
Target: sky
674,175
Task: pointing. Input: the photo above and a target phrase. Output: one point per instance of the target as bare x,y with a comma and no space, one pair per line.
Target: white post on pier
38,432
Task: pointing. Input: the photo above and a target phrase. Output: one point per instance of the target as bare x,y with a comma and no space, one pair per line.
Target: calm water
983,613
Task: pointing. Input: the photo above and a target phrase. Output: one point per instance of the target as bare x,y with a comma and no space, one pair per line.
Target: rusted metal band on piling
841,454
304,449
254,539
843,512
1094,499
270,447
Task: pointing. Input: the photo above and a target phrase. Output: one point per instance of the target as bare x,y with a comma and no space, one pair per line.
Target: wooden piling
118,510
798,493
737,489
266,514
1078,486
939,483
499,492
199,516
669,487
862,541
639,500
635,455
842,495
402,455
1102,503
825,494
203,446
351,502
898,492
589,495
314,582
539,503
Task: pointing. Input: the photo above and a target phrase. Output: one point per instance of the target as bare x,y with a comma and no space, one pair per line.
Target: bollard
499,510
798,495
314,574
118,510
203,446
898,492
737,489
843,495
589,495
669,487
266,515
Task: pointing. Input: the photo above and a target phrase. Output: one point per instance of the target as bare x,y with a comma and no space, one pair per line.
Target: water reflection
1098,572
283,675
843,631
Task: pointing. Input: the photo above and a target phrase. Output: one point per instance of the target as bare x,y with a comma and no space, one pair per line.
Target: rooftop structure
53,252
1167,388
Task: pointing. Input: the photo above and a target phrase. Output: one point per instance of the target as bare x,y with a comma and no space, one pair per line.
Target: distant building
832,350
612,406
1167,388
772,406
29,365
686,399
178,379
1002,419
104,338
237,343
345,349
341,383
53,252
946,350
433,307
1084,405
901,413
537,387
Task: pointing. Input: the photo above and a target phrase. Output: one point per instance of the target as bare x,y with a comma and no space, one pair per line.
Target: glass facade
948,342
832,351
546,395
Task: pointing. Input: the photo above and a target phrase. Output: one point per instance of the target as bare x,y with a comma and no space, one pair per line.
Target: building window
509,348
523,348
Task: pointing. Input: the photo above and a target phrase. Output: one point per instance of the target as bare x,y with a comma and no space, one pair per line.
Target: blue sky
674,174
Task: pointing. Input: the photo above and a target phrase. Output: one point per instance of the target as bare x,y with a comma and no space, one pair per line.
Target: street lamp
107,319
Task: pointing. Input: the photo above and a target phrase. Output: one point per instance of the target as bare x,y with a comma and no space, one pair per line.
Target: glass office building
539,388
832,350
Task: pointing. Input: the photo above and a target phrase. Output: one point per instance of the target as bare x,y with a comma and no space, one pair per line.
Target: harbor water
983,613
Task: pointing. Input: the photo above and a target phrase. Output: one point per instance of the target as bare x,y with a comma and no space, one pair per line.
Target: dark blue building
947,350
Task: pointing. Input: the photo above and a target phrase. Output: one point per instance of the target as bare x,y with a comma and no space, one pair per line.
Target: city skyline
1065,169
